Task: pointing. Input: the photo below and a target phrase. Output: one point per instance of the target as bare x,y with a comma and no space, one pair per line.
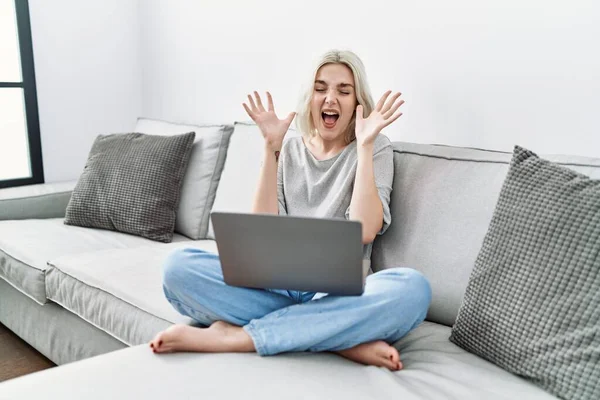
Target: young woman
341,167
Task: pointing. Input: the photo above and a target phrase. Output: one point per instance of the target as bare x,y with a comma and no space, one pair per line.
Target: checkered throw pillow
532,304
131,183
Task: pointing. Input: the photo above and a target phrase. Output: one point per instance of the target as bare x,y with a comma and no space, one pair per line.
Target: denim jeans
394,302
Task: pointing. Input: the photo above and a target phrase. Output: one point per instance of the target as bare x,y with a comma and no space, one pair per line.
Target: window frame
30,96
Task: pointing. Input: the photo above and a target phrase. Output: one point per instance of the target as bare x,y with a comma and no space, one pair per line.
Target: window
20,148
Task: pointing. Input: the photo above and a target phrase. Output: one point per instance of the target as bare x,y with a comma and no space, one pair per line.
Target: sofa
74,293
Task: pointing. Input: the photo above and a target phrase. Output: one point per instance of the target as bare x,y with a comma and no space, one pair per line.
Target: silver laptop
292,253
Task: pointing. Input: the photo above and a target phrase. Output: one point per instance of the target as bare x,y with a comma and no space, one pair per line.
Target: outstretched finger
381,101
359,112
270,100
392,110
388,104
252,104
258,101
250,113
394,117
290,118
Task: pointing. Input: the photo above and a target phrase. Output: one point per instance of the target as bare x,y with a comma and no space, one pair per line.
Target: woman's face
333,101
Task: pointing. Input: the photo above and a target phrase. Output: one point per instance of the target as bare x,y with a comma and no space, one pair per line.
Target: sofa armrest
46,200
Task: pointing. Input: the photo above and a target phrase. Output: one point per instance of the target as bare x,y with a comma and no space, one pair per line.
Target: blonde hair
304,121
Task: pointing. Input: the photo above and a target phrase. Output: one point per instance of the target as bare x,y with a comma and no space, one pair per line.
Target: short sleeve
383,169
280,192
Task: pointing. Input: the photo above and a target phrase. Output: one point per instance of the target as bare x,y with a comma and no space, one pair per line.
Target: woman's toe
393,354
157,342
392,358
163,349
389,364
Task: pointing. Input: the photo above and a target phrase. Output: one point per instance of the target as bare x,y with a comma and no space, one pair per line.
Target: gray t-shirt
308,187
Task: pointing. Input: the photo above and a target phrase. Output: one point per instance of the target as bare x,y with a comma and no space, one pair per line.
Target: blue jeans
394,302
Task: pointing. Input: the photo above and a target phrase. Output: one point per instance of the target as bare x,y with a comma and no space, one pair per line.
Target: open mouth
329,118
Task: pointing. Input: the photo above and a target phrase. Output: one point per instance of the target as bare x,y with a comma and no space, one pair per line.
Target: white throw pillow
202,175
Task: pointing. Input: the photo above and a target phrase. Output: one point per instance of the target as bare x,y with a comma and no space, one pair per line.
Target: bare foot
220,337
377,353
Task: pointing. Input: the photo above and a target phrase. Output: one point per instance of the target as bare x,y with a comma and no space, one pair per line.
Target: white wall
473,73
88,76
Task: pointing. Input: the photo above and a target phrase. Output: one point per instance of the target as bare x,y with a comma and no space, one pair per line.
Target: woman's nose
330,98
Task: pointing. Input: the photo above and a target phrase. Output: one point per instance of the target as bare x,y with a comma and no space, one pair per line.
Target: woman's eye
320,90
344,92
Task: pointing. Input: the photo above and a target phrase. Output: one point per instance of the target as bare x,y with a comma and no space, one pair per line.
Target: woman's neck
324,149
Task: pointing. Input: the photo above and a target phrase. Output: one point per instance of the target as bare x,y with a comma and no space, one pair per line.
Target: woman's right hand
272,128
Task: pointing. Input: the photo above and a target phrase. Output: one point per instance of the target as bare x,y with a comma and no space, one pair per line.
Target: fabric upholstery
434,368
27,245
45,200
203,172
131,183
442,203
132,308
58,334
532,304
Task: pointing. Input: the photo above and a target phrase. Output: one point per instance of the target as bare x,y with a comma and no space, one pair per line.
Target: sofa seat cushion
26,246
434,369
118,290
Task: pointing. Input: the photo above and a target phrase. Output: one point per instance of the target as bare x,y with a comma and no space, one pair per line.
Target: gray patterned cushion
203,174
532,305
131,183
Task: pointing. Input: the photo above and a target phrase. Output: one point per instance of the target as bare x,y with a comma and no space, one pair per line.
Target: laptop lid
269,251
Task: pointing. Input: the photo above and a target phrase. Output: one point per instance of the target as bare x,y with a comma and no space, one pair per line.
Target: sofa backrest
442,203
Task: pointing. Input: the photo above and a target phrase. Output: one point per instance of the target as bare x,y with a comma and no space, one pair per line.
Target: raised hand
272,128
384,113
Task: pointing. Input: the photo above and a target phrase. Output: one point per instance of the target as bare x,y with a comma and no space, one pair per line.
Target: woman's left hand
385,112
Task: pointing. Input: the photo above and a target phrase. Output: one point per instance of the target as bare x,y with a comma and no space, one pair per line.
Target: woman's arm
273,130
265,198
365,205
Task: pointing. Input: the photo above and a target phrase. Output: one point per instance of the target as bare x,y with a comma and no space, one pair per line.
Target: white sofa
74,293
